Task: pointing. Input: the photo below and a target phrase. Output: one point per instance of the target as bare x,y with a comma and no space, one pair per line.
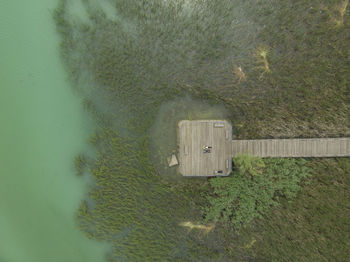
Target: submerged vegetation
280,69
79,164
129,206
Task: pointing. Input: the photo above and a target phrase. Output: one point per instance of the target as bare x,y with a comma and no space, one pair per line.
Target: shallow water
42,128
163,134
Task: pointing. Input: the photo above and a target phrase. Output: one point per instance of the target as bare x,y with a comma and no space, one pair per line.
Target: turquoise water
42,129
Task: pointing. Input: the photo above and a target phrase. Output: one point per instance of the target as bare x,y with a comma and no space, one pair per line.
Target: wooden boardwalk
194,136
311,147
206,147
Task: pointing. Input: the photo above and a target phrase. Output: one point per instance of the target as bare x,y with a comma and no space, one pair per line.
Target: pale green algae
42,129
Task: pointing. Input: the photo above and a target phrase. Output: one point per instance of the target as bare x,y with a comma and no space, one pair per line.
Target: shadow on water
163,133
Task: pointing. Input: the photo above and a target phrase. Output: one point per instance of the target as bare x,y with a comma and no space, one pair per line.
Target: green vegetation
314,227
280,68
121,209
249,165
253,188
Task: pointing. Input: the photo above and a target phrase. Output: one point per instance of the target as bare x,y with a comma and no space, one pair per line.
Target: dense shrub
250,191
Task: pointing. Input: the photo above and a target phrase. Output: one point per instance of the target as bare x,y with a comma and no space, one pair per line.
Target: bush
254,187
249,165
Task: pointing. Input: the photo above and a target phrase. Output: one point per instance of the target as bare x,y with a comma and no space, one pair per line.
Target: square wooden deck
194,136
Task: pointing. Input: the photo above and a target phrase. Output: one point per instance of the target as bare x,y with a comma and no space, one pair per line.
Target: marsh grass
293,82
261,58
336,13
238,74
190,225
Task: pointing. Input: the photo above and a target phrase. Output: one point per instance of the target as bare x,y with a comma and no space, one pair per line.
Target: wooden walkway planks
193,136
309,147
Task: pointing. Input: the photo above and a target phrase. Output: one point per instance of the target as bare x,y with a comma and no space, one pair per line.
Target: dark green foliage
249,165
248,194
314,227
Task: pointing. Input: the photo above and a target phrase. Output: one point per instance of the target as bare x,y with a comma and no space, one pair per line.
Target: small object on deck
219,124
217,172
227,164
173,161
207,149
186,150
